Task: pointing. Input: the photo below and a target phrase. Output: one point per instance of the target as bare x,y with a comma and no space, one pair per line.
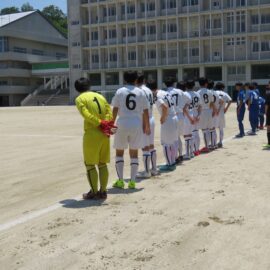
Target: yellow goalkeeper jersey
93,107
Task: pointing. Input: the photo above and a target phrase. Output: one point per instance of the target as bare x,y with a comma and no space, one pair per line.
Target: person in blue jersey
256,88
241,108
267,112
253,107
261,112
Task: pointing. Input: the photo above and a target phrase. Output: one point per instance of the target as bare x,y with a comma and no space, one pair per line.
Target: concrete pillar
103,81
180,74
202,71
159,78
248,72
224,74
121,79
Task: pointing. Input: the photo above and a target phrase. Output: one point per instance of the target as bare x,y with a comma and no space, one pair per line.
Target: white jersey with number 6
131,102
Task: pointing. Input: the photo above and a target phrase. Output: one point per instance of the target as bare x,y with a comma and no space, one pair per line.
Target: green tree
57,17
9,10
27,7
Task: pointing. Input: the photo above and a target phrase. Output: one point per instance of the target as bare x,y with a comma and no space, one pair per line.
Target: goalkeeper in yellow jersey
98,126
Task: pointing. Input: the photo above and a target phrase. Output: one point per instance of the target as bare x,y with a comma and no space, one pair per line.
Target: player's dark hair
219,86
251,86
152,85
211,84
203,81
82,85
190,84
181,85
130,77
141,78
247,84
169,81
255,84
239,84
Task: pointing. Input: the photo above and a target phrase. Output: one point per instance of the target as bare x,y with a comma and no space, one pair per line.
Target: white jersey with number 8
206,98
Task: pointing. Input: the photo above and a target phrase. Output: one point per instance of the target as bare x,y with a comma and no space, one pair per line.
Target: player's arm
228,104
164,114
249,103
186,113
108,112
146,124
114,113
89,117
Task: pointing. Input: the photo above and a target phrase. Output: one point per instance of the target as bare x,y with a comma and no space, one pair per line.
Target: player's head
82,85
203,82
190,84
152,85
181,85
246,85
140,79
130,77
211,84
239,86
219,86
252,86
255,85
169,81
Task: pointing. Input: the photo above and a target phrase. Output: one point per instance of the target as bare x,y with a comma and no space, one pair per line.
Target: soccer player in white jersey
207,100
182,111
168,121
217,107
131,106
149,152
225,102
196,108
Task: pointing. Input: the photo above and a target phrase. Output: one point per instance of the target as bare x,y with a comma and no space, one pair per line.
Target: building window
214,73
130,9
113,57
194,52
112,79
19,50
255,19
240,41
230,22
75,22
76,66
76,44
230,41
255,46
112,33
95,58
151,54
236,70
216,4
111,11
3,44
260,72
3,83
171,28
94,35
216,23
240,3
150,6
60,55
95,79
190,3
172,53
132,56
265,18
265,46
131,31
240,21
191,73
37,52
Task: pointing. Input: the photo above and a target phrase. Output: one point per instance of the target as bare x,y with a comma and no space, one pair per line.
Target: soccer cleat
197,153
239,136
204,150
102,195
90,196
251,133
220,145
261,127
144,175
179,160
132,184
186,157
266,146
119,183
167,168
155,172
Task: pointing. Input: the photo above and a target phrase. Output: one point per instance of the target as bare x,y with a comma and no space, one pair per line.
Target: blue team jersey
258,92
241,97
254,98
262,105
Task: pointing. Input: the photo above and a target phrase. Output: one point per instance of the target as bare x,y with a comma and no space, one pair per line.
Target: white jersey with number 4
131,102
149,95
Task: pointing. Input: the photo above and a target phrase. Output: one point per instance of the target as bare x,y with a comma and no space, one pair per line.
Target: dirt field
211,213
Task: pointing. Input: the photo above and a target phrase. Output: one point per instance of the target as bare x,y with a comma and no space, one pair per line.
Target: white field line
35,214
41,136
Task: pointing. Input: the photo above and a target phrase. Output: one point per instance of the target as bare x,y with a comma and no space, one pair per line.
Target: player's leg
134,166
261,118
153,154
240,118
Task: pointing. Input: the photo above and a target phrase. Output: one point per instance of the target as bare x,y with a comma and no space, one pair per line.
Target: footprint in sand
203,224
230,221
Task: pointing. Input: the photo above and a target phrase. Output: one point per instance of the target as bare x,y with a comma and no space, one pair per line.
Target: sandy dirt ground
211,213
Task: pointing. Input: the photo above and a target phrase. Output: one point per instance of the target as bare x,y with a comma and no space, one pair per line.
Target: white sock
134,165
176,147
119,165
167,153
221,135
180,147
215,137
173,153
188,146
211,133
146,160
206,137
196,140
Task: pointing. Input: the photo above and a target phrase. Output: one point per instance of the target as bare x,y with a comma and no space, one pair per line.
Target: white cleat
155,172
143,175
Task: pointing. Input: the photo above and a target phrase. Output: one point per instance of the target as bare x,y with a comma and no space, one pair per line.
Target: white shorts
215,121
206,119
127,137
221,121
181,123
188,127
150,139
169,131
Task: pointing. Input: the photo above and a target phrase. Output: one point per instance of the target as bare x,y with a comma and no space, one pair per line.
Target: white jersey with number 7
131,102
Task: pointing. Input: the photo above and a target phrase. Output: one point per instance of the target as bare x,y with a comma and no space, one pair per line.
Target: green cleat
266,146
119,183
132,184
